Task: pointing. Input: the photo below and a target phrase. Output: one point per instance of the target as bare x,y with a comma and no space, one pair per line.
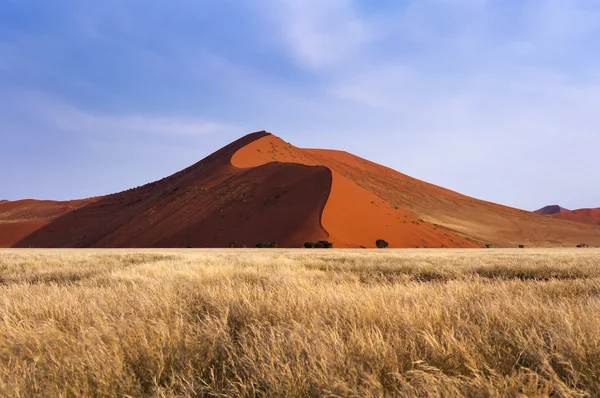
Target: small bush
270,245
309,245
323,244
232,244
381,244
521,246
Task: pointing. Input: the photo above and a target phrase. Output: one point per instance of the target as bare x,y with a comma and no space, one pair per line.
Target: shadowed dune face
261,188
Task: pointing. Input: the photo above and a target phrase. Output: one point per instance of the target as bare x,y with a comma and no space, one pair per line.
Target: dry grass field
243,322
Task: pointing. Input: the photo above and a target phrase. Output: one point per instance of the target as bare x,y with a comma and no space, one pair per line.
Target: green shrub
323,244
309,245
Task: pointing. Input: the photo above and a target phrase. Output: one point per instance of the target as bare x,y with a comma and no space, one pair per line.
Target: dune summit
263,189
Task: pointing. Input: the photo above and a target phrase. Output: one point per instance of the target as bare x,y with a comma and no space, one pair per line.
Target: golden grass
300,323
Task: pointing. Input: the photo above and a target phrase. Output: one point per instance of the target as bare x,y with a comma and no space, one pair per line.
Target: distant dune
552,209
263,189
587,216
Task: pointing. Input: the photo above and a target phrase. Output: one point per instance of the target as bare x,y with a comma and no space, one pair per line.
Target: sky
496,99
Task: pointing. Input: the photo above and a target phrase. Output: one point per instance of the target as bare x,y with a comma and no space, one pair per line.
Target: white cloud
321,34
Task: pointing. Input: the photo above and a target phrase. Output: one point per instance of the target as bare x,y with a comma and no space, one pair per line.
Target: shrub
266,245
521,246
381,244
309,245
323,244
232,244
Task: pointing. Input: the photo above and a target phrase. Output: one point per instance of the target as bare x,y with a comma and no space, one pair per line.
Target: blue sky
496,99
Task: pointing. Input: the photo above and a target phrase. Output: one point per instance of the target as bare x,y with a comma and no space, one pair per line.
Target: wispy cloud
59,115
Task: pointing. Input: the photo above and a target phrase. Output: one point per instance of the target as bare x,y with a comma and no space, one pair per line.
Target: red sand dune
552,209
261,188
586,216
